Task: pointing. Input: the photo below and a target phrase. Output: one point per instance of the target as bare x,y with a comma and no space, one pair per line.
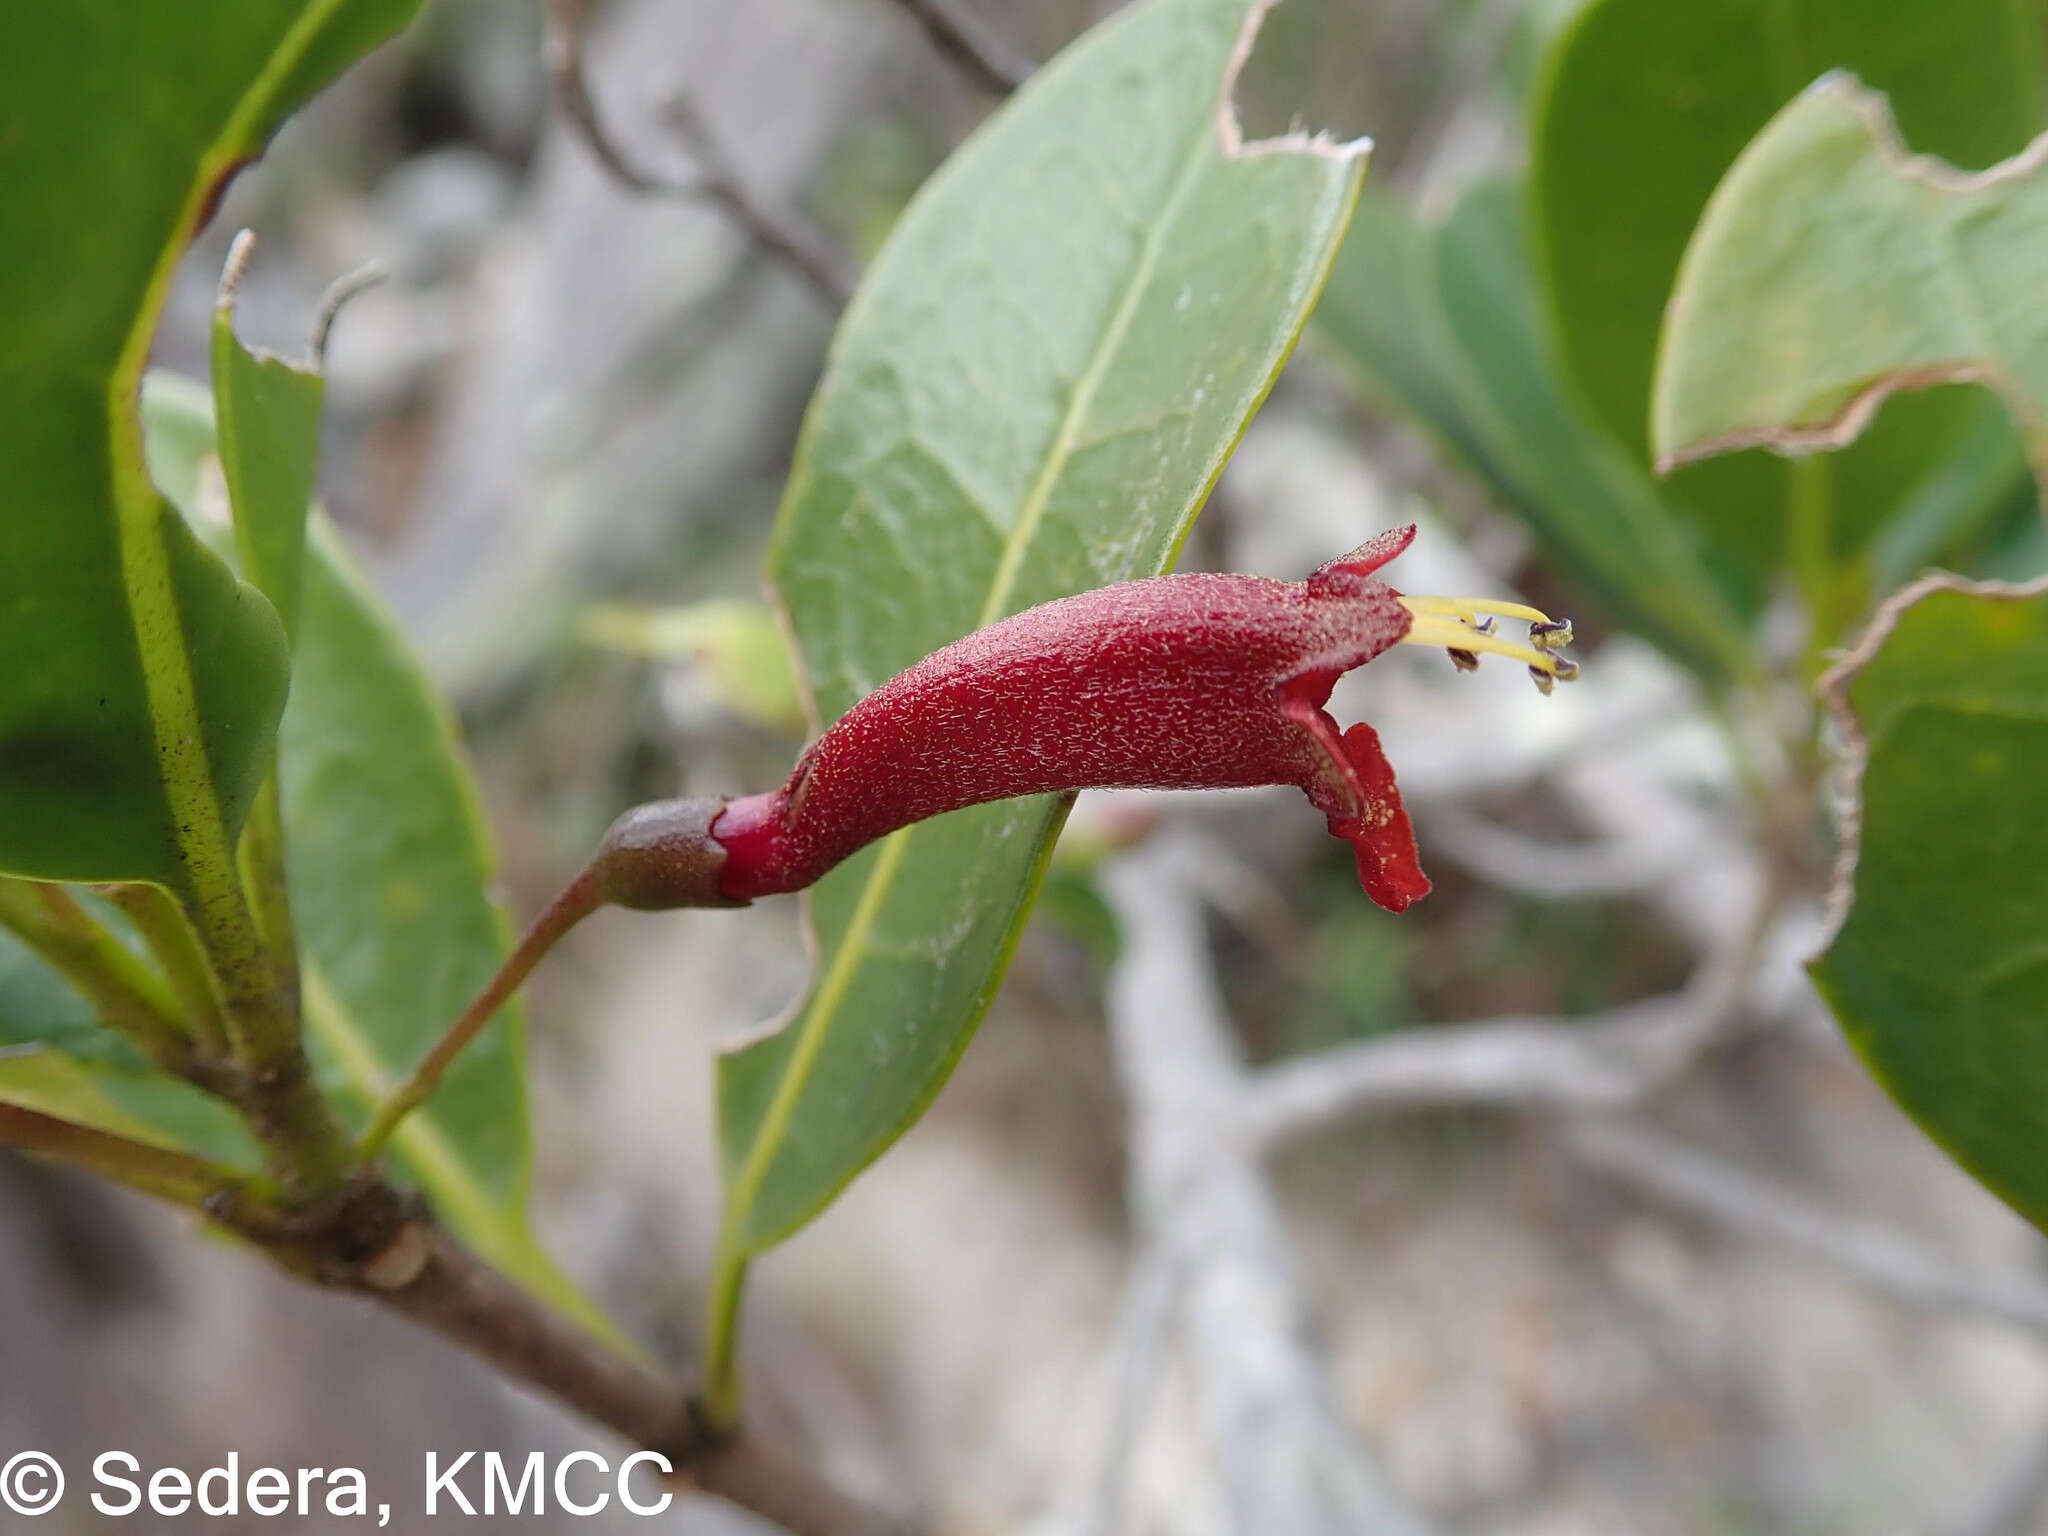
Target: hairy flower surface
1173,682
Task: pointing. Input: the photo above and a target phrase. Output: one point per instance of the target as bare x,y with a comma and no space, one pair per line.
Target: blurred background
1756,1301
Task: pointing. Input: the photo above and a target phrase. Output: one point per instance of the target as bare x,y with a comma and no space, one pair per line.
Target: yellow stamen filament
1442,630
1469,608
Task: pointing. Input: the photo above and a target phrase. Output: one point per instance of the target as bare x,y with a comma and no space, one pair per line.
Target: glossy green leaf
1831,269
143,683
1032,393
268,414
1643,107
48,1032
1440,320
1939,968
390,868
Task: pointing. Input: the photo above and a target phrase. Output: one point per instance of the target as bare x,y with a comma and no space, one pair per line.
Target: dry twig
1143,1324
1896,1266
780,231
376,1242
1289,1466
992,64
1537,1063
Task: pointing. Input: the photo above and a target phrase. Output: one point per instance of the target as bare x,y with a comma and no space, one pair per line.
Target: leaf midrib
195,822
838,977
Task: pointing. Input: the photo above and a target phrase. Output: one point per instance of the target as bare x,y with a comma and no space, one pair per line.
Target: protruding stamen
1545,681
1449,634
1465,627
1469,608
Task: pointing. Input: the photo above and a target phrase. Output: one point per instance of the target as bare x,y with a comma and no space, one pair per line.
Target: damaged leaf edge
1832,689
1875,110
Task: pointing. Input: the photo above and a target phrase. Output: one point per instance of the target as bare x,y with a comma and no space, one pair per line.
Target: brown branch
781,232
375,1241
444,1287
992,64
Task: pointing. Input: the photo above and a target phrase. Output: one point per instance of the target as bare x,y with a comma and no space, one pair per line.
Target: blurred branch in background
1555,871
987,60
1289,1466
1597,1064
782,232
1895,1266
1143,1328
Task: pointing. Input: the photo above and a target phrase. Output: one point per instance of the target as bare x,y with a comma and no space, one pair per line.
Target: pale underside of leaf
1943,264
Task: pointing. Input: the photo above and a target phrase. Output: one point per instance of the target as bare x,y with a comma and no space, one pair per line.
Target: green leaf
47,1028
143,683
1939,968
1646,104
1831,269
390,868
52,1083
269,445
1031,395
1643,107
1441,322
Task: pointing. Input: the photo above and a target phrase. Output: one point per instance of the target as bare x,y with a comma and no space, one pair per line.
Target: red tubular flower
1179,682
1175,682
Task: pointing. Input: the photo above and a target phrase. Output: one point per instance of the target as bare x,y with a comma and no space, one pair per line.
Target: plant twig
656,857
303,1143
991,63
781,232
1553,870
577,900
1887,1262
261,860
374,1241
1287,1462
1598,1064
458,1296
1141,1334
